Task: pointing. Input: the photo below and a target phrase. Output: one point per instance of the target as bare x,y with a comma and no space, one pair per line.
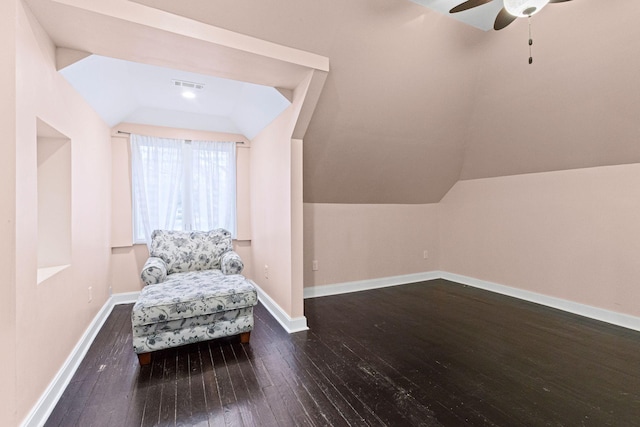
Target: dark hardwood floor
433,353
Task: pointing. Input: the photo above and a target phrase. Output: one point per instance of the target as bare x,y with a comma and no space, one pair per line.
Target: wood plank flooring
433,353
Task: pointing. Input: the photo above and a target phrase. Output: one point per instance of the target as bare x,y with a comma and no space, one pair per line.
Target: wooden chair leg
144,358
244,337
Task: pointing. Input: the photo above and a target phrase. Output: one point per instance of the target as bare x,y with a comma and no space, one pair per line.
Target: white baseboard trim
618,319
364,285
289,324
125,298
43,408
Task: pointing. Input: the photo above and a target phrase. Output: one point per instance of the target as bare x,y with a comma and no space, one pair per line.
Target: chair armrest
154,271
231,263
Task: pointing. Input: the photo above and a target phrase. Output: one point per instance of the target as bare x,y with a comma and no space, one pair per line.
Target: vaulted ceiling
416,100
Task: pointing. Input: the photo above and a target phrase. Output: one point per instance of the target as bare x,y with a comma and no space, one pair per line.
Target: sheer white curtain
213,185
182,185
157,170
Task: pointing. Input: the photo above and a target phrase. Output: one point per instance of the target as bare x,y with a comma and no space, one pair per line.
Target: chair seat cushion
193,293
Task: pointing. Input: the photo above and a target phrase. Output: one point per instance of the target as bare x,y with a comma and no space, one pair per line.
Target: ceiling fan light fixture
523,8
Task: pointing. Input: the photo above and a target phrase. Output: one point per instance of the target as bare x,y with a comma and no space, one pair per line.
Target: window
182,185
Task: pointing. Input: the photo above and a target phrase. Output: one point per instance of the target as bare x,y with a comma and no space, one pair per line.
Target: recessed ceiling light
189,95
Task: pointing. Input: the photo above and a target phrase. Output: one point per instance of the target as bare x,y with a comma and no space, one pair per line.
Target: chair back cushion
190,250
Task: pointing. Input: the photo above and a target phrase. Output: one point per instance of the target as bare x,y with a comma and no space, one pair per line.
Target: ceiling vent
188,85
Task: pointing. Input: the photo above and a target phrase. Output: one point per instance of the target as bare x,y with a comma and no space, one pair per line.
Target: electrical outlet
266,271
314,265
425,254
90,293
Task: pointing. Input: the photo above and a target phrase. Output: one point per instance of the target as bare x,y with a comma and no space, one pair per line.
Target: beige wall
276,208
121,208
361,242
127,263
572,234
128,259
297,230
8,212
52,316
271,209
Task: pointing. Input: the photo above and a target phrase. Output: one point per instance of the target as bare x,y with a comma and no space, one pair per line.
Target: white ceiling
123,91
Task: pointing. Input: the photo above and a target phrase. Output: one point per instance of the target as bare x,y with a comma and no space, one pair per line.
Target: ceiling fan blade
469,4
503,19
558,1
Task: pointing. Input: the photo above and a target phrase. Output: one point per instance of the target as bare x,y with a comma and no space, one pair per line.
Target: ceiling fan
512,9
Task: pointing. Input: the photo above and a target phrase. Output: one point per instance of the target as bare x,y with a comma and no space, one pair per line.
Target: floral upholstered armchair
193,292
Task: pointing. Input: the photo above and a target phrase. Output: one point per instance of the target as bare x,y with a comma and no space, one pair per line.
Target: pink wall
52,316
297,229
8,212
271,209
276,208
127,263
361,242
573,234
121,206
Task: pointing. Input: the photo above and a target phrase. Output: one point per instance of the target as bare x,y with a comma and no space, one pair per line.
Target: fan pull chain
530,42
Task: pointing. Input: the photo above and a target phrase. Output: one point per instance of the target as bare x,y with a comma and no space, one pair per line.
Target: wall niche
54,201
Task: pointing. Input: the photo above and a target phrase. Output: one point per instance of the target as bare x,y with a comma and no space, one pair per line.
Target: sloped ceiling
416,100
